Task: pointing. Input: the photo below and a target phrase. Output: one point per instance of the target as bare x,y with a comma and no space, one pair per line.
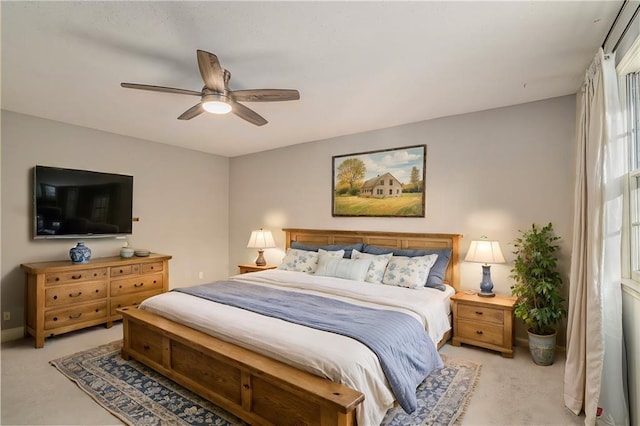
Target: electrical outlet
6,316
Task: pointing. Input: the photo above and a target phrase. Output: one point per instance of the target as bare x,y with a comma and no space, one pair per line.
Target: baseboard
12,334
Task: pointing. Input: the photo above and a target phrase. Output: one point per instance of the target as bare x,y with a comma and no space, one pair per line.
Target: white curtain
595,367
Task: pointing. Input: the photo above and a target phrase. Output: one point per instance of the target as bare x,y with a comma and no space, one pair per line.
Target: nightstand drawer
482,332
481,313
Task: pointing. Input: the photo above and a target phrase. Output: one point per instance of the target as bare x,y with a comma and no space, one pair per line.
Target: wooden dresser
62,296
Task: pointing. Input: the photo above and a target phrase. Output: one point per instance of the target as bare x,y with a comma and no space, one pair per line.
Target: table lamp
485,251
261,240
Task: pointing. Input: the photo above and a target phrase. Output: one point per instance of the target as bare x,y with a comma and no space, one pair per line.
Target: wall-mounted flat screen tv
71,203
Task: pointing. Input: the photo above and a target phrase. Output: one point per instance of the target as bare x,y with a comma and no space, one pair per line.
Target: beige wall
181,197
488,173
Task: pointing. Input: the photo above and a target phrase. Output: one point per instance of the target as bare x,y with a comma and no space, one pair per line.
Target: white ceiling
358,65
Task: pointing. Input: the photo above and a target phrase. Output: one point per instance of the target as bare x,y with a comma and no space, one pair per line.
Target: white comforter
325,354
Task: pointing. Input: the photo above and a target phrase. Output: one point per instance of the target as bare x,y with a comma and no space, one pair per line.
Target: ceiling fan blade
247,114
211,71
192,112
266,95
160,89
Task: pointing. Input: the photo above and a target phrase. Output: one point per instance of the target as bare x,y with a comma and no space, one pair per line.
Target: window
390,182
633,124
391,192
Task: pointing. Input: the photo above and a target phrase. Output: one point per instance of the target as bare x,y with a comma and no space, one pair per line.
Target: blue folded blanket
406,353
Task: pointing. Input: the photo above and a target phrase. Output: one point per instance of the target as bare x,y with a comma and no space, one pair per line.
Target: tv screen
72,203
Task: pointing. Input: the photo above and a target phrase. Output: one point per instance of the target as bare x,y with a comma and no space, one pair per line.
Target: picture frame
382,183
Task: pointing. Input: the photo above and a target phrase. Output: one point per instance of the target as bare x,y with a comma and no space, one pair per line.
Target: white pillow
411,272
350,269
377,267
304,260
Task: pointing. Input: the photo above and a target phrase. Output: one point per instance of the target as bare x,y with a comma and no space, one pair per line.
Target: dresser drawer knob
478,313
76,277
75,295
146,347
478,331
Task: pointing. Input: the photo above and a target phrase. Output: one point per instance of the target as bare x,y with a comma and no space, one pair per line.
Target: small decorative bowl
142,253
126,252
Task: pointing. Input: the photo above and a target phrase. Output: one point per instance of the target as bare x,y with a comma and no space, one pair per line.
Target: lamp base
486,286
260,261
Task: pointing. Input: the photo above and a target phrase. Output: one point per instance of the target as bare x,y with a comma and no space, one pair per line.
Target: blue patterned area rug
138,395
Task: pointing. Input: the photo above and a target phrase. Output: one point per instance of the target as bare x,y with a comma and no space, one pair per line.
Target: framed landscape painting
388,183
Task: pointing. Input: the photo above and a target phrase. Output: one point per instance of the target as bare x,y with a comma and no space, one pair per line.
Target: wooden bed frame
258,389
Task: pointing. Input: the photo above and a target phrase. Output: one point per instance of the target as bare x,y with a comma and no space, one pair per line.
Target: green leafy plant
537,282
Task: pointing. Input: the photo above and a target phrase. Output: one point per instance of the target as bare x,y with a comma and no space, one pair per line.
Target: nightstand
484,321
252,267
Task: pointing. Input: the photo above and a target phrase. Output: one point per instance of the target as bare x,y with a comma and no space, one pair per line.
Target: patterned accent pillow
438,270
378,265
331,253
305,261
411,272
299,260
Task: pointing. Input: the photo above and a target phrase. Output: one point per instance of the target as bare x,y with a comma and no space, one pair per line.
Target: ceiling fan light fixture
216,104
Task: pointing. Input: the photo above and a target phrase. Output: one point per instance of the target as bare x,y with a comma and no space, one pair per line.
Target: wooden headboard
401,240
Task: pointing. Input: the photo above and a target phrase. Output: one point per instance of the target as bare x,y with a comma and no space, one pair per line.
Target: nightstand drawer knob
478,331
478,313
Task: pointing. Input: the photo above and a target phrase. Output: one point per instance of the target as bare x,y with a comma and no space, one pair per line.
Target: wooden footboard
260,390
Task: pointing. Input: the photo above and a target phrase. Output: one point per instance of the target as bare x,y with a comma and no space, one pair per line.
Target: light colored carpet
510,392
139,396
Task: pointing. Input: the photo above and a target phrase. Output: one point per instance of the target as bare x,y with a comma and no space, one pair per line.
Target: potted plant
537,286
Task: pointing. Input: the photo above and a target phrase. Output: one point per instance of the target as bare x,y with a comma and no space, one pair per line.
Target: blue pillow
346,247
436,274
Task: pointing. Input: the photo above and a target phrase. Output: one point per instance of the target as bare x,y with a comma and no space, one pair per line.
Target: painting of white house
386,182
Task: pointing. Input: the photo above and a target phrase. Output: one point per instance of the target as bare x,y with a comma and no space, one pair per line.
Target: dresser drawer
119,271
76,276
480,331
151,267
129,300
76,314
67,294
481,313
136,285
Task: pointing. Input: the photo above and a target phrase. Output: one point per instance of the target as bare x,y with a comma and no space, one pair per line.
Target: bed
257,384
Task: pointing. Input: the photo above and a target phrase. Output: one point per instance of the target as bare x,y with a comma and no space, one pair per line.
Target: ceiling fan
217,98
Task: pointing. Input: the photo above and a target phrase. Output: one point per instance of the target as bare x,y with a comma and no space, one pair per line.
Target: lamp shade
261,239
484,251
